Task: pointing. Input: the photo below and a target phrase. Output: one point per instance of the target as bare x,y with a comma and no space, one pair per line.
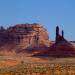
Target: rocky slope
60,49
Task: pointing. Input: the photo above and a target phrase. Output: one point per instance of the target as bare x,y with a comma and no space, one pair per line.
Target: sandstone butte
23,38
33,39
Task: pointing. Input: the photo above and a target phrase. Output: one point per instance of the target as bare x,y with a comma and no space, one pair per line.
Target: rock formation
61,47
58,36
23,36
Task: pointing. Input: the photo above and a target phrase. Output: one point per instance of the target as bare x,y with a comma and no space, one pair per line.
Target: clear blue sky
49,13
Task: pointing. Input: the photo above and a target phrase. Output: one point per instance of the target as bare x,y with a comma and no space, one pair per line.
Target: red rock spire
62,33
57,33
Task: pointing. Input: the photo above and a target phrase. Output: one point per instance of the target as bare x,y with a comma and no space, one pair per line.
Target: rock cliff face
23,36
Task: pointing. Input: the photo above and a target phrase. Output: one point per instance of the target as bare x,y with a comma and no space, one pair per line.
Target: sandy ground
14,60
6,61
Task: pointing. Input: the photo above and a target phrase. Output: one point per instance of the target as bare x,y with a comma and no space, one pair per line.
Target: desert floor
22,65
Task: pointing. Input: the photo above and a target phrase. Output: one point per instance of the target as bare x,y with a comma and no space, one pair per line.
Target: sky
49,13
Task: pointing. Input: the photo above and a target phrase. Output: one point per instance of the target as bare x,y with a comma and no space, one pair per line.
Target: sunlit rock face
22,36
